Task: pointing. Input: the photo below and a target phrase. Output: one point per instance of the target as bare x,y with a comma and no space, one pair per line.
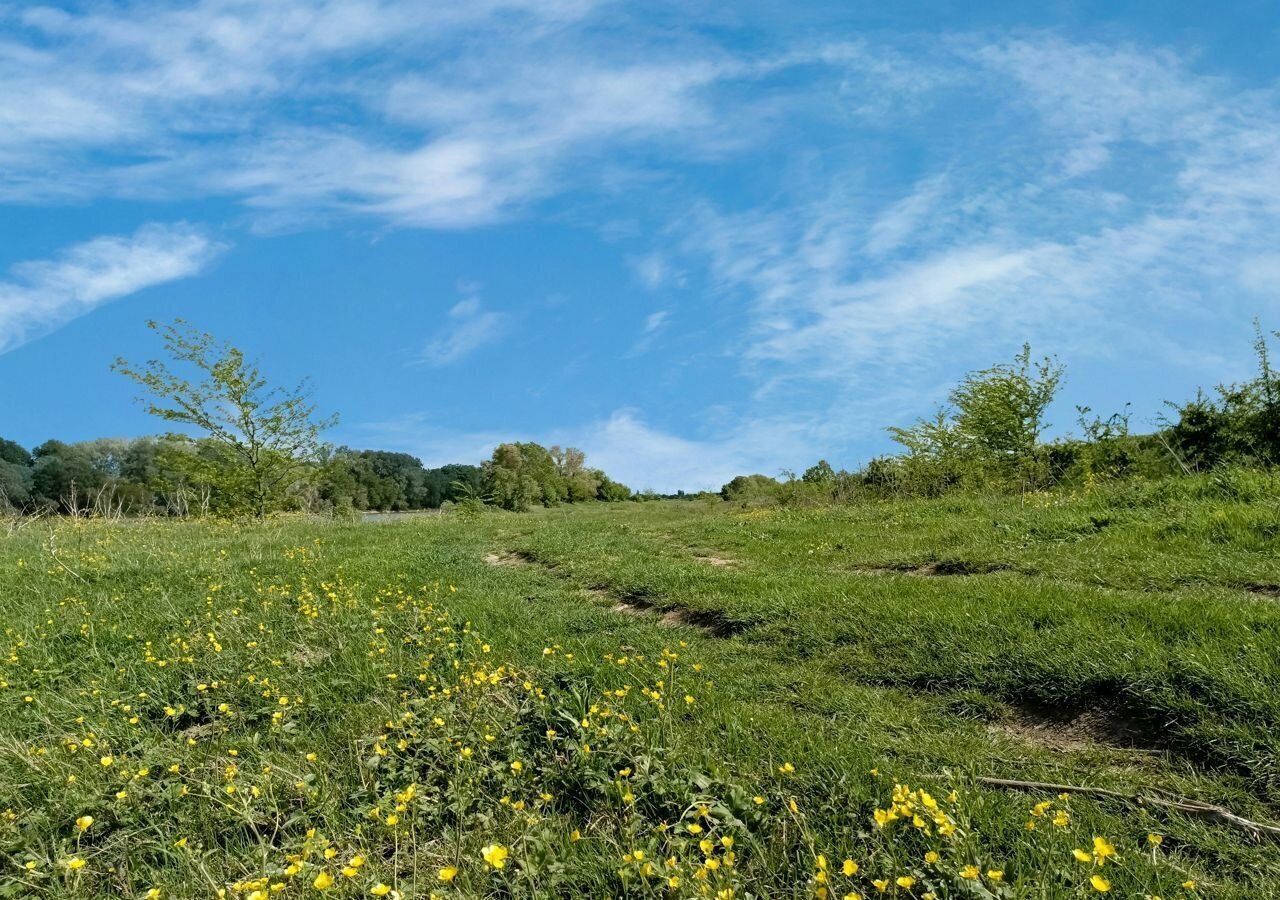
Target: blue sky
694,239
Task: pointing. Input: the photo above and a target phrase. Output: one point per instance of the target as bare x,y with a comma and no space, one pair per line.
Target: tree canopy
259,439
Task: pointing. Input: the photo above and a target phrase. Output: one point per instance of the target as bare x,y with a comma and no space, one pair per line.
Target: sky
694,239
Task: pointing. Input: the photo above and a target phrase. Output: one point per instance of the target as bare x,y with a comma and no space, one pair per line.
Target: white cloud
624,445
468,328
42,295
654,271
1095,95
474,110
844,325
654,323
1262,275
644,457
493,137
1130,211
893,227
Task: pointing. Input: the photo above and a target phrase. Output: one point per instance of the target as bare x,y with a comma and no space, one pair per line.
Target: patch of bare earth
1264,590
634,603
506,559
937,569
720,562
709,621
1067,730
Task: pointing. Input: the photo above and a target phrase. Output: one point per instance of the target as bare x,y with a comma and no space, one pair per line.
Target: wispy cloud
143,100
1006,238
896,225
623,444
654,324
884,211
42,295
646,457
468,327
655,271
474,112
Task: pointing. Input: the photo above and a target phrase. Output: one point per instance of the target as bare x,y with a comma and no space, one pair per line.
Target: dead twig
1194,808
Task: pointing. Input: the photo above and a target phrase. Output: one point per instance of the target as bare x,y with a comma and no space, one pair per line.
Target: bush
752,489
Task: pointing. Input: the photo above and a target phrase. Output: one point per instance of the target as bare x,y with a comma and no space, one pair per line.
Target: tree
64,475
580,483
994,424
819,473
519,475
452,482
609,490
13,452
15,475
1000,410
743,488
266,439
1242,424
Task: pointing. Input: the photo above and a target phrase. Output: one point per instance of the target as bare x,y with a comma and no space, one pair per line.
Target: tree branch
1193,808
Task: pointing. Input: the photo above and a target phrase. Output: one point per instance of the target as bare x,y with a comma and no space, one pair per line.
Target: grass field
664,699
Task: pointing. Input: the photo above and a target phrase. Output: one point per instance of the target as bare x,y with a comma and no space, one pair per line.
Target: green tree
520,475
452,483
1240,425
64,476
1000,410
15,475
819,473
609,490
993,426
265,439
747,488
580,483
13,452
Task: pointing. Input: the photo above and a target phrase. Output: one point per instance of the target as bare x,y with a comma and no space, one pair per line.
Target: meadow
667,699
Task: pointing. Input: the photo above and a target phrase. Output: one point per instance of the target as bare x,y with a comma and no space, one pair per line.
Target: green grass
921,642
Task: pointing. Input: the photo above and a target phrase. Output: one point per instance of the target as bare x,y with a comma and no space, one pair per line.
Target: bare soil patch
709,621
936,569
507,559
634,603
1069,729
1265,590
720,562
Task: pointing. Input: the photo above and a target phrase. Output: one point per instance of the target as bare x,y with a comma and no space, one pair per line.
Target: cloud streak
42,295
469,327
623,444
835,221
226,97
1037,235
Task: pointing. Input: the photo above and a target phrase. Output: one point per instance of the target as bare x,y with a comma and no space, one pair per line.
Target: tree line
256,449
989,436
174,475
